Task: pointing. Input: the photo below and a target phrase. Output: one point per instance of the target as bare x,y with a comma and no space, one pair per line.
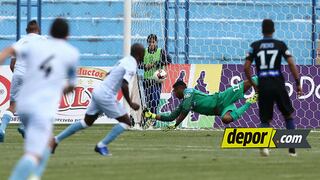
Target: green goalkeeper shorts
230,108
228,97
231,95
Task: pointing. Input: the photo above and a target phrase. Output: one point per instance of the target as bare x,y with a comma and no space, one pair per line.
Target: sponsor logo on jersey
264,138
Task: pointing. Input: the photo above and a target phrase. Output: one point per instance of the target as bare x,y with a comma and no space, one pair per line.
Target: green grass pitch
146,155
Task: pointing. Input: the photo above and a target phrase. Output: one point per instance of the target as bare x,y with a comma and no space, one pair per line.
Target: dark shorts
270,93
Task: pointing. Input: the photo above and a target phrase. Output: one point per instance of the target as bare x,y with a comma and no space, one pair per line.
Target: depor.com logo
265,138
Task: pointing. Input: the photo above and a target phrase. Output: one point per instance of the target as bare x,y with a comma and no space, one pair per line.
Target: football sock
255,79
73,128
6,118
25,167
21,126
290,123
114,133
43,163
238,112
21,130
264,125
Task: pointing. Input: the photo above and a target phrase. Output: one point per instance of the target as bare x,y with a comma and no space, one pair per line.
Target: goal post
127,27
208,40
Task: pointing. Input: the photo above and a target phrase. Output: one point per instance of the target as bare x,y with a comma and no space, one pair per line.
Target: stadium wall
220,31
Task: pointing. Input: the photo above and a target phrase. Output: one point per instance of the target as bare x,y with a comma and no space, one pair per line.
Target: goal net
208,40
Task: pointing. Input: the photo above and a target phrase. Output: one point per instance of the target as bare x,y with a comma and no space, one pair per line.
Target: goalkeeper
218,104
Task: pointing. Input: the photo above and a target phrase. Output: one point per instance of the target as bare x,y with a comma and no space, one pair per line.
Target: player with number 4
50,71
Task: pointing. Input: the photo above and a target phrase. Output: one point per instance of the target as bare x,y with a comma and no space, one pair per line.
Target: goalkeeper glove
170,127
148,114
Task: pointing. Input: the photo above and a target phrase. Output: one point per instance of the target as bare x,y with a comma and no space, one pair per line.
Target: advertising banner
208,78
306,107
5,81
72,106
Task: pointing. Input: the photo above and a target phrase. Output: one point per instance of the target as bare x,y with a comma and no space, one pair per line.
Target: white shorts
38,131
16,84
109,106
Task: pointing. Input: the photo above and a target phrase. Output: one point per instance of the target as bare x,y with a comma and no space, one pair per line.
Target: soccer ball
160,75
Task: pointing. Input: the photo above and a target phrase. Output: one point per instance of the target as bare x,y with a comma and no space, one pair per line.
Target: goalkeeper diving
217,104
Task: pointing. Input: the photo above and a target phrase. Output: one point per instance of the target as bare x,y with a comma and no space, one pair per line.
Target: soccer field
164,155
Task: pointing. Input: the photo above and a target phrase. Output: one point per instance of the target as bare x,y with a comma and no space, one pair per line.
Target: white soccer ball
160,75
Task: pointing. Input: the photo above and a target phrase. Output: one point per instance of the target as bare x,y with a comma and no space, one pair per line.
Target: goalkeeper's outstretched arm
177,115
180,119
169,117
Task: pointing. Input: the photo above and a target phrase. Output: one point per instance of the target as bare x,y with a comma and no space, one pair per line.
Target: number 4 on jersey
46,67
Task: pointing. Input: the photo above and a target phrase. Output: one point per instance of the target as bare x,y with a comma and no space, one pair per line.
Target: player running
218,104
267,54
104,101
18,68
48,63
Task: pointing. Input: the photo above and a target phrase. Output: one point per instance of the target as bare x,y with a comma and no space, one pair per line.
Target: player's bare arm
180,118
149,66
295,73
125,91
247,70
164,117
6,53
72,76
176,115
68,89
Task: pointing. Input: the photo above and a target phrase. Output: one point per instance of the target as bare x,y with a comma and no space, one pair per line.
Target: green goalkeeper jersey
195,101
208,104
